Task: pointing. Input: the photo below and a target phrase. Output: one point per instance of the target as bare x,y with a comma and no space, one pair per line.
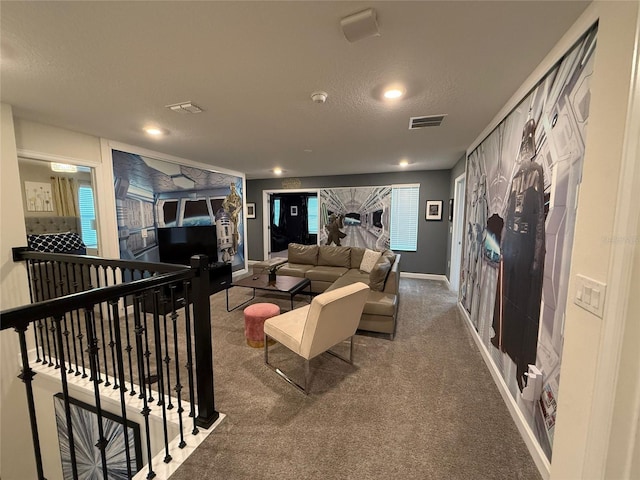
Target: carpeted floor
422,406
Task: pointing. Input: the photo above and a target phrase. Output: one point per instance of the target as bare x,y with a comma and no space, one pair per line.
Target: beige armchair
331,318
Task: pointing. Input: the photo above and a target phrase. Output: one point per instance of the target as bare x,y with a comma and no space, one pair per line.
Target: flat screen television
179,244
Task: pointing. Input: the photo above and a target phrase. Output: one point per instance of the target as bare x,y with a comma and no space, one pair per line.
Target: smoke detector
319,97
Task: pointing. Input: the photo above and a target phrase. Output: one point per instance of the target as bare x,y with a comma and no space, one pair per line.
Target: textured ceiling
109,68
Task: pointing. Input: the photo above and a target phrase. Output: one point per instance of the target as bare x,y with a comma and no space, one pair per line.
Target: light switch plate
590,295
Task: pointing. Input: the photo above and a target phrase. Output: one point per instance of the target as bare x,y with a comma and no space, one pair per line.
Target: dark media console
177,245
219,277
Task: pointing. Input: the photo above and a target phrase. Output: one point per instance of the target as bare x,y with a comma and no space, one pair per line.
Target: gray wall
431,256
456,171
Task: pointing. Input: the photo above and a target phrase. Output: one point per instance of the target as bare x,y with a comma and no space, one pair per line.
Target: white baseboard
425,276
527,434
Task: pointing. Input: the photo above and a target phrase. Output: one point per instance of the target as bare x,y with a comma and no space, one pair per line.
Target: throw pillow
378,275
369,259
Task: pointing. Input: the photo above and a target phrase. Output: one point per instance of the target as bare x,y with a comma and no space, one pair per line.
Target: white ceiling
109,68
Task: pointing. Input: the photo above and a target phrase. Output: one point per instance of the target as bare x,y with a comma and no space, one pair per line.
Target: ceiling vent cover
184,107
429,121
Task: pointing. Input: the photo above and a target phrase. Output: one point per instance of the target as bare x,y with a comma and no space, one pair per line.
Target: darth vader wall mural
522,181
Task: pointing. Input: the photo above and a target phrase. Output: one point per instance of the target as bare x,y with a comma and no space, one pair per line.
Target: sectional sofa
331,267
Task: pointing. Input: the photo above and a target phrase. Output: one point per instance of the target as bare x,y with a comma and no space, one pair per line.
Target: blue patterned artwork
84,421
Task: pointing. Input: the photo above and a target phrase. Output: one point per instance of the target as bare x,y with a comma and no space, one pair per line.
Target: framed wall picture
434,210
294,210
39,196
251,210
84,421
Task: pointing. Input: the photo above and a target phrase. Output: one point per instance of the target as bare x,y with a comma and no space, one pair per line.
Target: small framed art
434,210
294,210
251,210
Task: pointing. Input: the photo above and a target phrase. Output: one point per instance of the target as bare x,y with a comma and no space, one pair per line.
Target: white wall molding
50,157
527,434
425,276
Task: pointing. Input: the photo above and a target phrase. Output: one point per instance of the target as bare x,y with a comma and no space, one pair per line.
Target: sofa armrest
392,284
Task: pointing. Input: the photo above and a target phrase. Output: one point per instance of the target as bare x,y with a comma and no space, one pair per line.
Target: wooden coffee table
282,284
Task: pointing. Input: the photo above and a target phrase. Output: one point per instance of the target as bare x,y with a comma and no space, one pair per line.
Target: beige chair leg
348,360
283,375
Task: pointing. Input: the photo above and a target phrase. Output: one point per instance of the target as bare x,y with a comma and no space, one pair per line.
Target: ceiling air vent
184,107
422,122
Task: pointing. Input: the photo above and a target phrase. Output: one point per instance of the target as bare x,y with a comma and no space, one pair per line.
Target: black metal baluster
104,338
27,377
112,344
132,390
65,393
47,329
189,365
46,324
147,355
39,294
158,349
167,358
94,355
57,293
80,336
116,327
66,332
29,265
95,373
178,388
139,330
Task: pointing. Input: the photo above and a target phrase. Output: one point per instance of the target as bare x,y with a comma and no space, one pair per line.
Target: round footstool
254,317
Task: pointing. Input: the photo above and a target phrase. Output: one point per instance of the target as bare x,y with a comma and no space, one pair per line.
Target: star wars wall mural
159,203
521,198
355,217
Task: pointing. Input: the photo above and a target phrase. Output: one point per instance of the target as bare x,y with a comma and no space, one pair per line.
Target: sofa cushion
379,273
325,274
388,254
380,303
294,269
303,254
356,256
334,256
369,259
352,276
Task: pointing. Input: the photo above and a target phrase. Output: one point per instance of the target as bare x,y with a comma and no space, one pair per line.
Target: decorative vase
272,277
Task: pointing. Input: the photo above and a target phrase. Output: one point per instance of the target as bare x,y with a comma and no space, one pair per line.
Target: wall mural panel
355,217
520,214
152,194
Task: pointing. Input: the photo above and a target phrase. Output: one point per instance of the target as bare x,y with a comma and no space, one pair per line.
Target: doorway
291,216
59,198
458,229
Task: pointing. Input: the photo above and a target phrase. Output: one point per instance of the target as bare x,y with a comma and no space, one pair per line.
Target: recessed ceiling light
155,131
393,93
404,163
277,171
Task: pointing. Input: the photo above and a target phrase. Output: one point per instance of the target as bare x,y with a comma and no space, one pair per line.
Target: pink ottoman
254,317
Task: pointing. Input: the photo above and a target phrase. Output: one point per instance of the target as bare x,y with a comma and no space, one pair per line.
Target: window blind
87,216
276,212
312,215
404,217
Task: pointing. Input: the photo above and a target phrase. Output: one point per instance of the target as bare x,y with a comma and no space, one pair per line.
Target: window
312,215
276,212
404,217
87,216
